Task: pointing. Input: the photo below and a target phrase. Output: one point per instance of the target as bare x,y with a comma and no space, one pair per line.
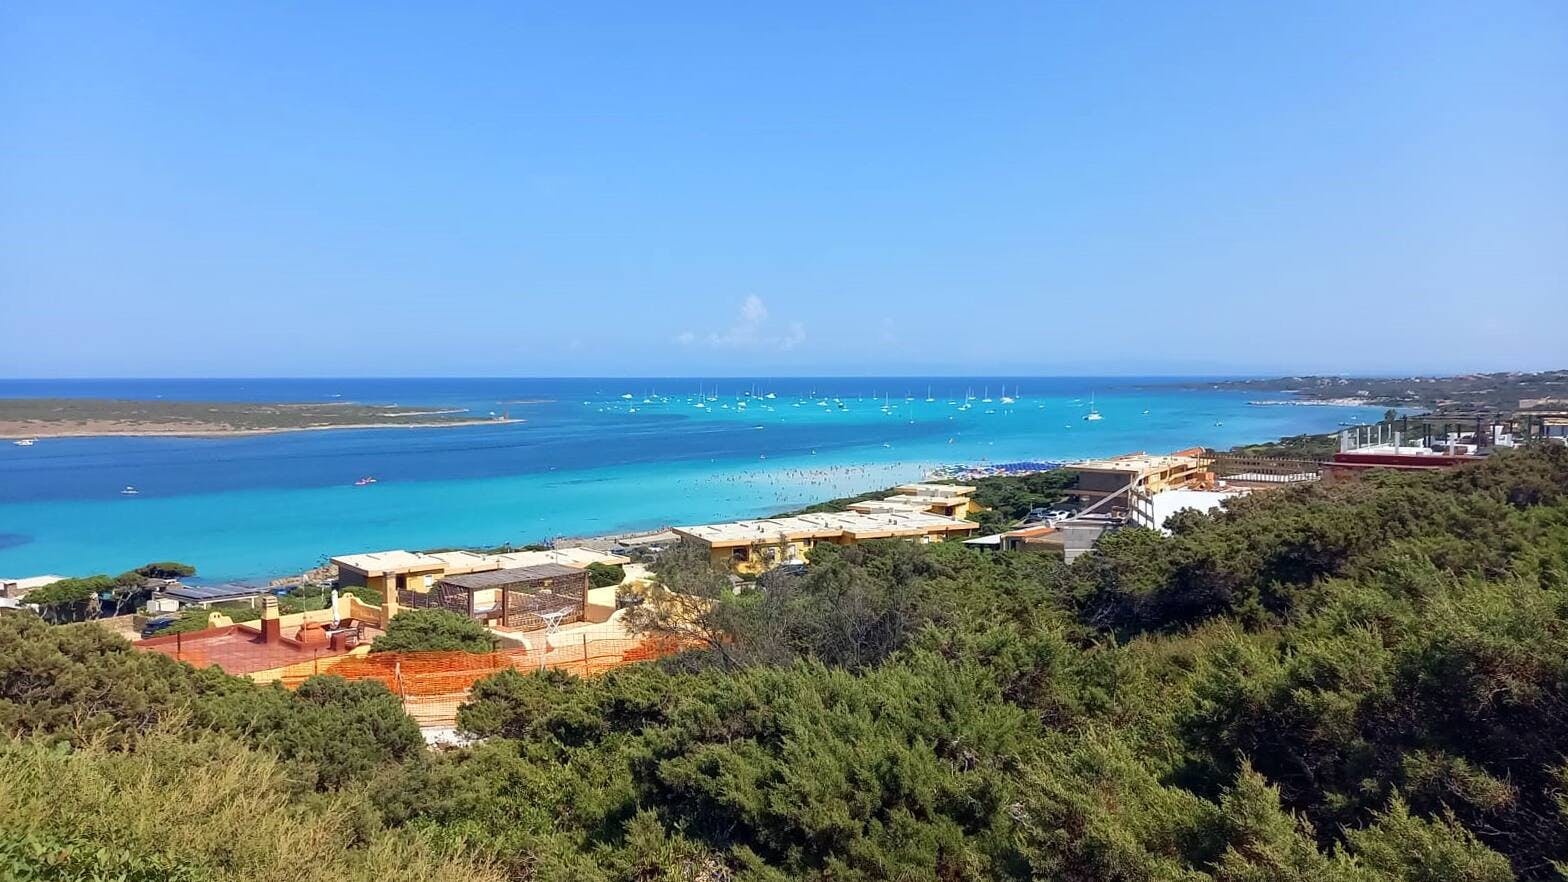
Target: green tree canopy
423,630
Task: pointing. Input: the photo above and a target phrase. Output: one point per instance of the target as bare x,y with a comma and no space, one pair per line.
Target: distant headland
1502,392
88,417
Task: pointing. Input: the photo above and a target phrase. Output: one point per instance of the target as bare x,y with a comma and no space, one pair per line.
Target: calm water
586,459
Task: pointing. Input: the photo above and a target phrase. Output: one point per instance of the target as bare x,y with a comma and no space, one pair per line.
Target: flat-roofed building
1035,537
892,504
931,488
947,506
389,571
952,500
1146,473
757,545
419,571
17,588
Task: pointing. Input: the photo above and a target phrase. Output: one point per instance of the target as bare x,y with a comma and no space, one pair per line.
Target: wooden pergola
521,598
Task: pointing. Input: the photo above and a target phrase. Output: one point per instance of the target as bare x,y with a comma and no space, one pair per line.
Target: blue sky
278,189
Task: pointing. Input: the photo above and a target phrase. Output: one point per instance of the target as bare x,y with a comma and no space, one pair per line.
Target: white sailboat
1093,415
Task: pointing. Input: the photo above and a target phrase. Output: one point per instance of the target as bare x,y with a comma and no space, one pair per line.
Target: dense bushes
179,807
80,684
1350,682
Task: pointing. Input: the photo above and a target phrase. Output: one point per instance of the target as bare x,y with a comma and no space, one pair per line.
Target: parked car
157,624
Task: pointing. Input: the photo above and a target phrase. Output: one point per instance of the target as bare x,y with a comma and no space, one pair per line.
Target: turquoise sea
590,456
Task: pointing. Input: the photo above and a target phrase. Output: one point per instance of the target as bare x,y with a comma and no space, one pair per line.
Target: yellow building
1146,473
418,572
755,546
952,500
390,571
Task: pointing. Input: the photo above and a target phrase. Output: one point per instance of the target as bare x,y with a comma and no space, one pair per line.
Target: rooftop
212,593
459,562
931,489
855,525
382,562
464,561
240,649
1033,531
571,557
891,504
1136,463
510,576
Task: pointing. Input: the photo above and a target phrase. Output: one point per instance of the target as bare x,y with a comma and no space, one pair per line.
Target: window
741,554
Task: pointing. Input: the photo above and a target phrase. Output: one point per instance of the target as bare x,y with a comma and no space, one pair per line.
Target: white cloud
685,338
795,336
753,330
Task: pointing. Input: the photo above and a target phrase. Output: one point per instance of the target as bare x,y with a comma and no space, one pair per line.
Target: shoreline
1315,402
170,431
537,530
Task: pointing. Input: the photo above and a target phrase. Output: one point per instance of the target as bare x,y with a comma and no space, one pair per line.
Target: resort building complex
399,570
751,547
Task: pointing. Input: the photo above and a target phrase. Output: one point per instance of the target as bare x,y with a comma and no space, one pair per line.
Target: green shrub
425,630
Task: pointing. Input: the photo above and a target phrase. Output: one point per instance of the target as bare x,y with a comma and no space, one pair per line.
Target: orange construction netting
433,685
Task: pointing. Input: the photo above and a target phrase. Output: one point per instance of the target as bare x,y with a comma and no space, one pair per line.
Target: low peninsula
1511,391
86,417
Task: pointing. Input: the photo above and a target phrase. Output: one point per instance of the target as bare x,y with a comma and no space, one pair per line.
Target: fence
1262,468
433,685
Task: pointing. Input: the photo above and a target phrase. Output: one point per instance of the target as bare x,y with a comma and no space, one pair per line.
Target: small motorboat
365,481
25,442
129,491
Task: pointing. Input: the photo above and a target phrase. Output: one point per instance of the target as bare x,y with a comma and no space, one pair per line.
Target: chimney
388,602
271,628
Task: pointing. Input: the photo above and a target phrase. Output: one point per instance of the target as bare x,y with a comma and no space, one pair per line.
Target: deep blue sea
590,456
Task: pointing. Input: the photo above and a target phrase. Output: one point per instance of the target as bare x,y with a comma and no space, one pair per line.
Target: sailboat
987,398
1005,399
929,399
1093,415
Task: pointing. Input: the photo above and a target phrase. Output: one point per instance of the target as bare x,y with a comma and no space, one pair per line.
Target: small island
22,418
